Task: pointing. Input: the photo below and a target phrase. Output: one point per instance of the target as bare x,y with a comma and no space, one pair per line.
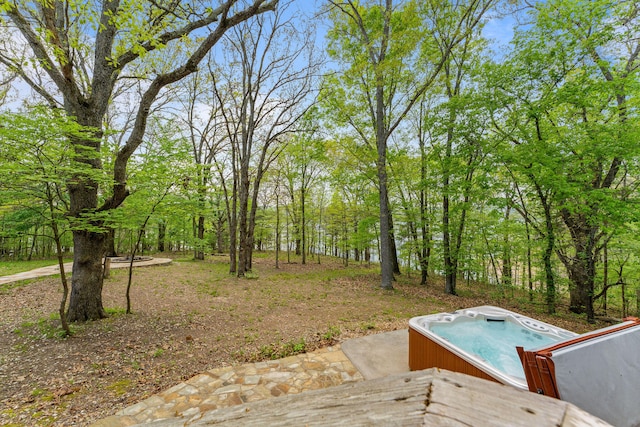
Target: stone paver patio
234,385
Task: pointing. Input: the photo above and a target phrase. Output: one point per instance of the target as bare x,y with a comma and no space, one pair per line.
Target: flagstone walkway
233,385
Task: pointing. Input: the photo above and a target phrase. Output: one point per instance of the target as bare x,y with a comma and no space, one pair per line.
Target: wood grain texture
431,397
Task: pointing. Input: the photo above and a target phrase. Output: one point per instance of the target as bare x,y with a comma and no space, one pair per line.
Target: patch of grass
37,392
115,311
296,347
250,338
261,255
207,288
41,329
186,258
251,275
275,351
325,276
394,313
119,387
332,333
158,353
32,413
43,394
238,355
8,268
6,287
21,347
297,296
97,366
368,326
43,419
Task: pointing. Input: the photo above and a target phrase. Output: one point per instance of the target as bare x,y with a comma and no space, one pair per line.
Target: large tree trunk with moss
581,266
581,288
89,234
86,280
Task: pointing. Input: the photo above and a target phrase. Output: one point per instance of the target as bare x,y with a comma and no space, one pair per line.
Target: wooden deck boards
431,397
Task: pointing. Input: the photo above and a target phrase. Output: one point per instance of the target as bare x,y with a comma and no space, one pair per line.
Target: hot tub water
494,341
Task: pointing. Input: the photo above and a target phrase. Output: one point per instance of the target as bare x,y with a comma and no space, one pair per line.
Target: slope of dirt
192,316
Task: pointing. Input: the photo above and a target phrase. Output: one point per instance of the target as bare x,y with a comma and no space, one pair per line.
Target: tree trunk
426,254
298,241
110,243
86,283
393,250
199,252
356,249
243,198
33,243
220,233
529,269
303,225
277,230
425,229
605,277
162,232
581,267
581,288
549,249
233,218
449,269
386,259
507,274
548,270
60,258
85,302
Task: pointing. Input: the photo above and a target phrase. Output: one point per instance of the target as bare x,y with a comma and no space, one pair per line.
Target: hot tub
479,341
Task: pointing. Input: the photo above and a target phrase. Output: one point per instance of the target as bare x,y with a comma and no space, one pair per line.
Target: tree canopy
401,138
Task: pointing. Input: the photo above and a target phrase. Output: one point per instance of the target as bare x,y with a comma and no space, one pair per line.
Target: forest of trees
378,131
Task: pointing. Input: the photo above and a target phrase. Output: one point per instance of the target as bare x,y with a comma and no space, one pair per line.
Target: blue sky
498,30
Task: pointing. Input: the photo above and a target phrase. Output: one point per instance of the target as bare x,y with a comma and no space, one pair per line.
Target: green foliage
42,329
120,387
163,164
39,160
115,311
332,333
278,351
542,126
393,62
368,326
568,136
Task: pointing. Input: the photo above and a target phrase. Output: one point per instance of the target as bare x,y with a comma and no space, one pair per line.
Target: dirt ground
192,316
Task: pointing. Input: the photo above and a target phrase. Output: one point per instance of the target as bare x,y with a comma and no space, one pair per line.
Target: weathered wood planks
431,397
